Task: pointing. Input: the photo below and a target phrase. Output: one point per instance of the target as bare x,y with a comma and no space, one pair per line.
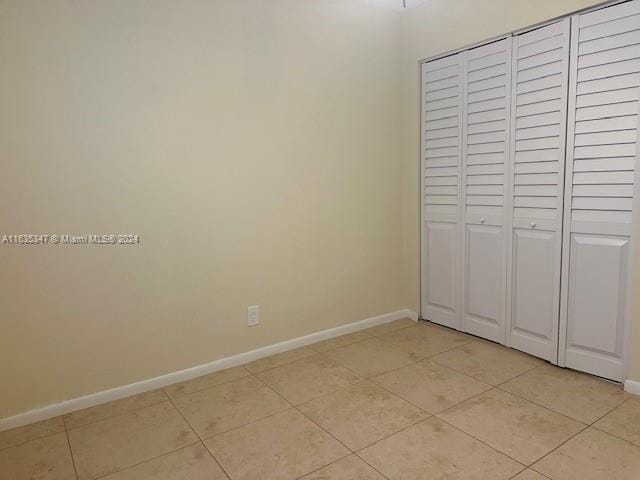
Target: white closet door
602,148
485,169
540,75
441,168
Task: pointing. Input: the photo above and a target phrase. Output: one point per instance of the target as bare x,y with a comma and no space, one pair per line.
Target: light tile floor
400,402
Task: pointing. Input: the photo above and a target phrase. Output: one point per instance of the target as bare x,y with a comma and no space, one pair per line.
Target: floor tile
362,414
46,458
279,359
206,381
529,474
624,421
371,357
190,463
281,447
487,362
340,341
444,452
390,327
592,455
17,436
120,442
512,425
349,468
308,378
431,386
577,395
223,407
426,340
112,409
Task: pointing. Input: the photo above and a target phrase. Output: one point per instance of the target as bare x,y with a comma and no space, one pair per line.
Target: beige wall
253,145
434,27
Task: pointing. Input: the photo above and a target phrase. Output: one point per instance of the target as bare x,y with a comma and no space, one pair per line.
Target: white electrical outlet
253,315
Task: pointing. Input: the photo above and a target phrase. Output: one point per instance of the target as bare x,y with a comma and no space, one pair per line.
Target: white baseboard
67,406
632,387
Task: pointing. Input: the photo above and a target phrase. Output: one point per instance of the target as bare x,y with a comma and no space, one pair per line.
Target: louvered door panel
538,133
441,167
602,148
484,177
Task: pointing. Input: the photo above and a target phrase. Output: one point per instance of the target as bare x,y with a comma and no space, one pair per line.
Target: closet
529,147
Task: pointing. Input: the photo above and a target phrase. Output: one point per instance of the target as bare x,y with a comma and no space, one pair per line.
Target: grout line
248,373
209,437
143,462
324,466
500,386
483,381
586,427
522,397
351,452
40,437
526,469
374,468
73,461
303,414
116,415
202,439
198,435
495,449
215,459
185,419
289,362
432,416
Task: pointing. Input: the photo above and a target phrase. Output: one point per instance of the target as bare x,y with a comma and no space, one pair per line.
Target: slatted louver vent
540,73
606,118
485,168
486,138
442,129
601,160
441,166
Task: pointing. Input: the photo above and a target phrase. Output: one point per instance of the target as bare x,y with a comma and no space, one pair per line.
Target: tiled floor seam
495,387
142,462
215,460
164,389
200,439
305,416
413,362
453,426
351,452
31,440
532,466
372,379
392,331
110,417
499,387
73,460
592,425
485,443
340,346
324,466
529,468
456,370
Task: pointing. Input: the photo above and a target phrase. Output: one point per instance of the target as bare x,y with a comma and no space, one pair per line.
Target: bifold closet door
441,158
540,75
602,148
485,168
